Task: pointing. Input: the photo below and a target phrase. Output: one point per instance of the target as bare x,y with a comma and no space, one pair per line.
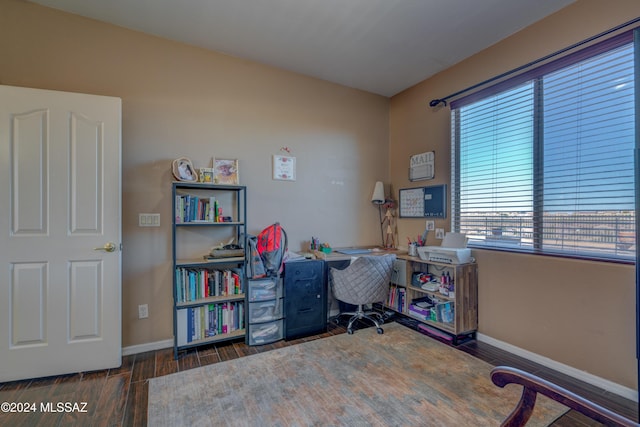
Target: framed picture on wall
225,171
284,168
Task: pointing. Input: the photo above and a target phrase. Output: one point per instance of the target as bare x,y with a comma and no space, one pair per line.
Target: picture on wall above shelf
284,168
226,171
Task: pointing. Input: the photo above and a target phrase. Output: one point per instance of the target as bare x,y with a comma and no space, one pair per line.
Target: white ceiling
379,46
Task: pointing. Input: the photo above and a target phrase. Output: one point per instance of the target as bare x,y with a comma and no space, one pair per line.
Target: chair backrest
365,281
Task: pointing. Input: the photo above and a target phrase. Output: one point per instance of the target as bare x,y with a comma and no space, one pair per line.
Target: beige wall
183,101
578,313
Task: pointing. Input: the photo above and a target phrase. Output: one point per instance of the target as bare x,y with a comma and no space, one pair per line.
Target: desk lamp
379,199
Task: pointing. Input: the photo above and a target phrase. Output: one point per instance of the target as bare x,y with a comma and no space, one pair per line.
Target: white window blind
544,162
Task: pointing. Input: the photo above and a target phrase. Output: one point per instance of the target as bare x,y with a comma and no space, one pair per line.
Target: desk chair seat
365,281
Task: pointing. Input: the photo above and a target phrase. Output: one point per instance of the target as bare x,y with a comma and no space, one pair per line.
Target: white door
60,299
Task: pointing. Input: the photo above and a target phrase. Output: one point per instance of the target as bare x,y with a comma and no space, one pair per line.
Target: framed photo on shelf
225,171
284,168
206,175
183,170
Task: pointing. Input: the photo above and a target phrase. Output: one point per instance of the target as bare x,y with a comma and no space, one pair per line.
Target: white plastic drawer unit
264,333
264,289
267,311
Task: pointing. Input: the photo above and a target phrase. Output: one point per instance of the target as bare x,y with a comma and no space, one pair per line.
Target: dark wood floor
118,397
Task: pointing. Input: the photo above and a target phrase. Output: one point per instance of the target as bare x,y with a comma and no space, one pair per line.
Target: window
544,162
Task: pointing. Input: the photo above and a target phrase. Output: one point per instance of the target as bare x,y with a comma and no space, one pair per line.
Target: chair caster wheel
350,331
380,330
336,321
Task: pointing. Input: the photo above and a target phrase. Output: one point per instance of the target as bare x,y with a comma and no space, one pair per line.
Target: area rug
399,378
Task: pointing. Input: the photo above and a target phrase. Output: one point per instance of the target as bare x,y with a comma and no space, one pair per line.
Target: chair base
373,316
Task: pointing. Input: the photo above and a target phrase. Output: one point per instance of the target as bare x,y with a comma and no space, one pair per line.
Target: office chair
365,281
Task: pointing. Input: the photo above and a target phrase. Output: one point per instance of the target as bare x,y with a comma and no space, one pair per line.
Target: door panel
60,300
28,305
86,175
85,304
28,150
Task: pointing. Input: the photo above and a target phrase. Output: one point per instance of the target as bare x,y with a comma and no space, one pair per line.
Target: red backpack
272,245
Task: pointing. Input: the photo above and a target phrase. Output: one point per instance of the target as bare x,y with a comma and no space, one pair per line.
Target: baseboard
586,377
151,346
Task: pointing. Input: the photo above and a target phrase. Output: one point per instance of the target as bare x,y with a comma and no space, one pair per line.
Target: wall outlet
143,311
440,233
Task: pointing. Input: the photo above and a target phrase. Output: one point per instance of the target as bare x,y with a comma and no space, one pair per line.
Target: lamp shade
378,193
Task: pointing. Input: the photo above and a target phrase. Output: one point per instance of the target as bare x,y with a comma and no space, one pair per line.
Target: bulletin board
423,202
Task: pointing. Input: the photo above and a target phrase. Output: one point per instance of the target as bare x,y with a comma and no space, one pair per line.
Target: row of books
440,312
209,320
396,298
193,284
190,208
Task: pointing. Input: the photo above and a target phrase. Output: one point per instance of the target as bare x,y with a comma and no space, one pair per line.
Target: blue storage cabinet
305,298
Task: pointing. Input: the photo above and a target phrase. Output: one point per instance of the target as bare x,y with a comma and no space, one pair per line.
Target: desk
334,255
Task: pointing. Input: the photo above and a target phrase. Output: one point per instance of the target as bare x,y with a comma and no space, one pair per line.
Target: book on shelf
193,284
192,208
396,298
421,313
444,312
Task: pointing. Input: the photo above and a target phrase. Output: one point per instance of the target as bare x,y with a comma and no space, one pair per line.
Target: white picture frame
226,171
206,175
284,168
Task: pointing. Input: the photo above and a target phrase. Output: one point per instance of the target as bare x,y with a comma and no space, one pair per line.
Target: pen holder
413,250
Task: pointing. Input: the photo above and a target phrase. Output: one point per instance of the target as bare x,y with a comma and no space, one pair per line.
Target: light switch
149,220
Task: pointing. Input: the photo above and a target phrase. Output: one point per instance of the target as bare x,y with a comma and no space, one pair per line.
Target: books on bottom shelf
419,312
433,310
206,321
396,297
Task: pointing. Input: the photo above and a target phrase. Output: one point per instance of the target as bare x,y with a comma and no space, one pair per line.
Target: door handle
108,247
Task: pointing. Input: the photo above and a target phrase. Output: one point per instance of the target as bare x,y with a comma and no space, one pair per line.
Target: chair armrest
532,385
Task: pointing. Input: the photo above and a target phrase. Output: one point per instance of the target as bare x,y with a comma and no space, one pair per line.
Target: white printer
452,251
446,255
